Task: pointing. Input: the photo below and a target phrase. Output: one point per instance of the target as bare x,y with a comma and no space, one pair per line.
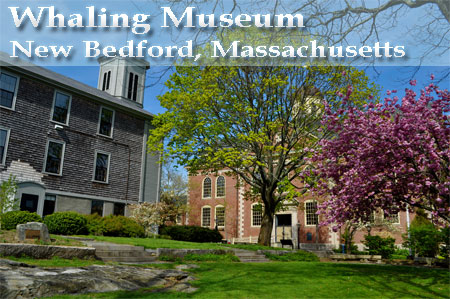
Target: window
220,187
54,157
106,122
106,80
393,218
207,188
97,207
8,90
133,81
220,216
61,108
310,213
119,209
4,138
206,216
256,214
101,171
49,204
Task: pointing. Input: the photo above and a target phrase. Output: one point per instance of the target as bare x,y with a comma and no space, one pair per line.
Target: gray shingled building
72,147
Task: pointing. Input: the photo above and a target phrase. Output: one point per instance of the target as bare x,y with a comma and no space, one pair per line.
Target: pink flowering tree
386,156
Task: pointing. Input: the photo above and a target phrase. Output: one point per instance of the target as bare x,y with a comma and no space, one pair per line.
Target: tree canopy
387,156
257,122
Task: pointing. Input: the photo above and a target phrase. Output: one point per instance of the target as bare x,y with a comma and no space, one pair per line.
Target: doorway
283,227
29,202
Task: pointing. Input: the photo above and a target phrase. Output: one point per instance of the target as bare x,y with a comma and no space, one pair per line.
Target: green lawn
154,243
305,280
55,262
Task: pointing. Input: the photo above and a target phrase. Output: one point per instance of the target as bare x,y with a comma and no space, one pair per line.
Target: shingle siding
31,128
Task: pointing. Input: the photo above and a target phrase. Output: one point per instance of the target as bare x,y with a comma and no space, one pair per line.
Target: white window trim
393,223
62,157
251,219
95,165
68,108
215,216
8,133
310,225
224,187
203,188
13,105
201,218
100,118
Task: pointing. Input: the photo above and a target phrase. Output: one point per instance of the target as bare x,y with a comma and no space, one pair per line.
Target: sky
388,78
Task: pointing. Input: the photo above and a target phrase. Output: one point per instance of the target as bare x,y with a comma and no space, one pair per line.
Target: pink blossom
386,156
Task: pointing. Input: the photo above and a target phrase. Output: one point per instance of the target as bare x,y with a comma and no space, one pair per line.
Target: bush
297,256
191,233
11,219
424,240
66,223
377,245
445,248
121,226
95,225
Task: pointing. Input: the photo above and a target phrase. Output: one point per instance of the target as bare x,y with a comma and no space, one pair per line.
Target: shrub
424,240
66,223
11,219
121,226
445,248
95,225
297,256
377,245
191,233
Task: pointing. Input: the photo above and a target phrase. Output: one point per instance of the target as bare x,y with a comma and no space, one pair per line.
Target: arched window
220,186
206,216
256,214
207,188
220,216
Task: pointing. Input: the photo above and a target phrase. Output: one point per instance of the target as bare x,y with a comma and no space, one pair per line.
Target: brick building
215,201
73,147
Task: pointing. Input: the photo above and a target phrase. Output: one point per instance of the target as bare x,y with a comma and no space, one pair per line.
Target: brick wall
239,216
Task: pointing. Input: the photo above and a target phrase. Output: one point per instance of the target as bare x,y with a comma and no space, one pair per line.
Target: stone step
129,259
246,256
122,253
108,247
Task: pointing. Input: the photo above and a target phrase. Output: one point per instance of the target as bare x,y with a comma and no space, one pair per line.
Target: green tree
8,190
257,122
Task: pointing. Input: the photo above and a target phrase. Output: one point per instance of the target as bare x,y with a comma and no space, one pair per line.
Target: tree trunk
265,233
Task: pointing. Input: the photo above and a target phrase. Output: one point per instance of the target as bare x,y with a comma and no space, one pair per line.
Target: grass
201,258
55,262
297,256
153,243
304,280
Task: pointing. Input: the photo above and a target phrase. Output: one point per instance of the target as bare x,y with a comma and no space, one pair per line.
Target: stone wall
46,252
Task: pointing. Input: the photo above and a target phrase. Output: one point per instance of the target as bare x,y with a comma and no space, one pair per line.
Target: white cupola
123,77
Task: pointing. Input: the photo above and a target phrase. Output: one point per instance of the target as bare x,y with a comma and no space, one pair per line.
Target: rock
17,281
33,230
46,251
186,267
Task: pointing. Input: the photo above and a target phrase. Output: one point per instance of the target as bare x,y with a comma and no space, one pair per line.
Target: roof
75,86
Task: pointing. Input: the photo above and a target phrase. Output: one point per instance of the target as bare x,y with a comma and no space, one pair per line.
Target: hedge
66,223
11,219
191,233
